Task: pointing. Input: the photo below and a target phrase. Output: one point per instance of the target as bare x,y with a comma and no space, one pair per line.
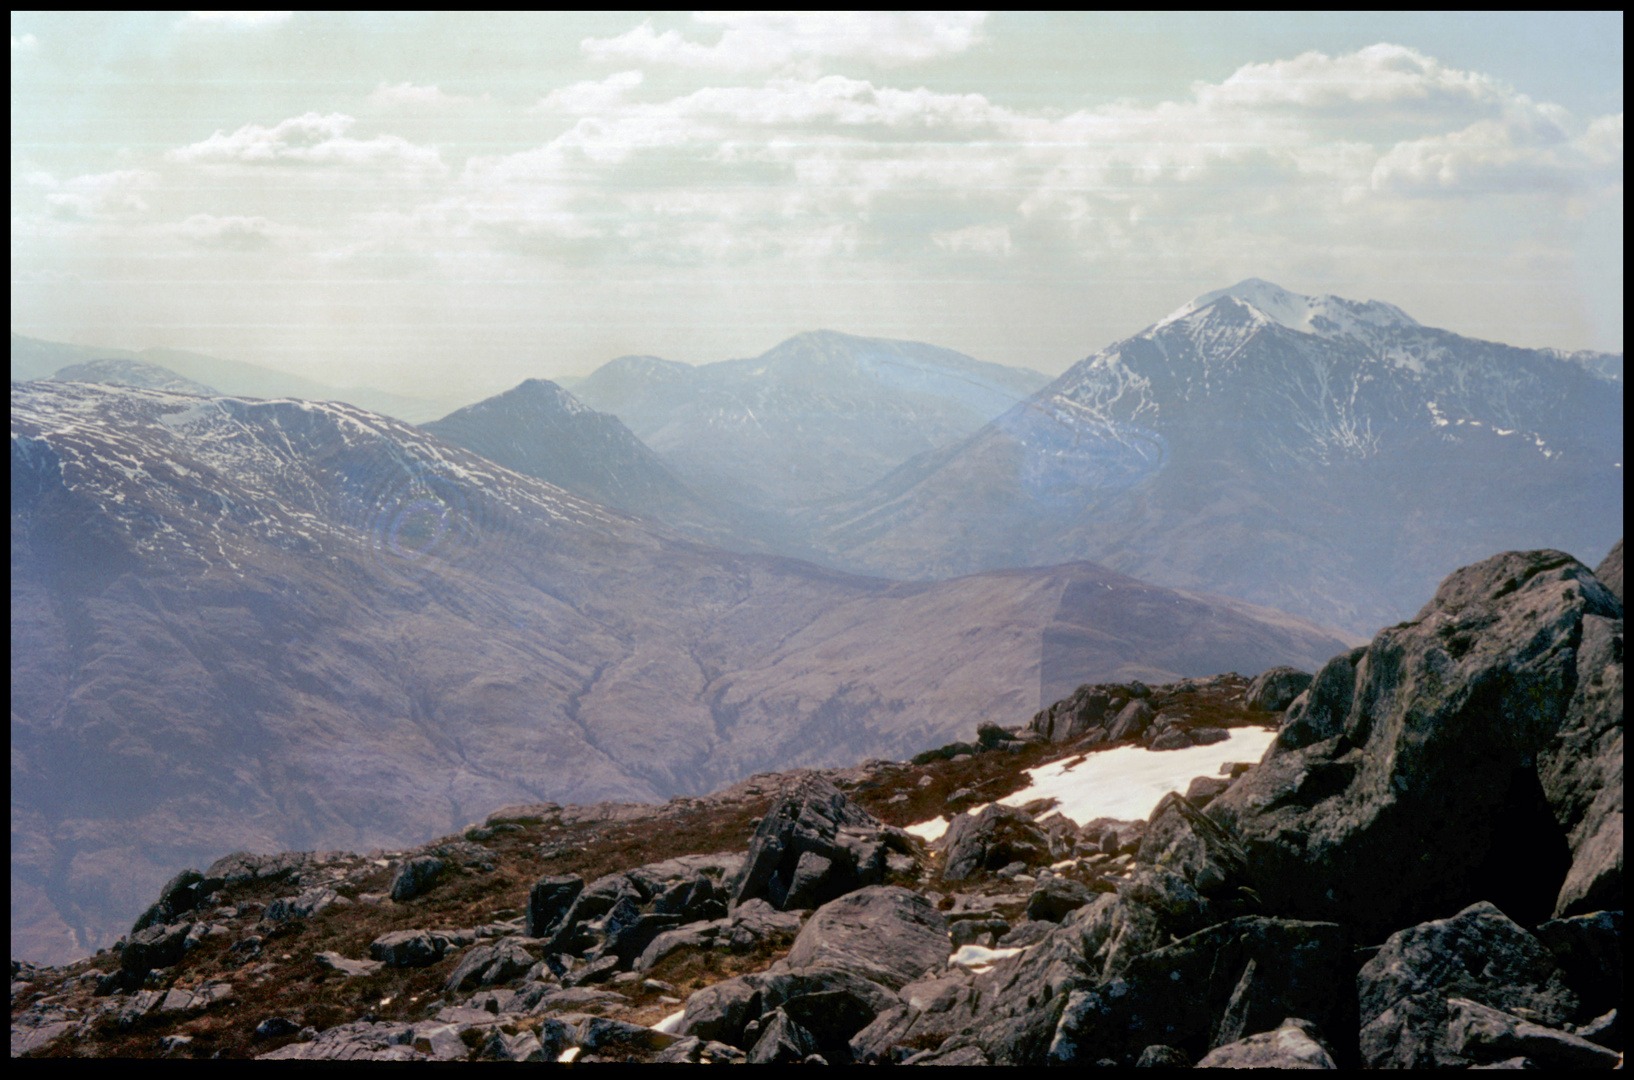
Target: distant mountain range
1324,456
819,416
32,358
287,624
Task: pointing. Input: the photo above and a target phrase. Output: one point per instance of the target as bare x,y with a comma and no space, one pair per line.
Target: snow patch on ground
1125,783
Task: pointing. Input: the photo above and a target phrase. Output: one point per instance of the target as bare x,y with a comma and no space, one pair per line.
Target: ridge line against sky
409,199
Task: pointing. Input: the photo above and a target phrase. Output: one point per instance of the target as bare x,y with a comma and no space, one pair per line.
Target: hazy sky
405,199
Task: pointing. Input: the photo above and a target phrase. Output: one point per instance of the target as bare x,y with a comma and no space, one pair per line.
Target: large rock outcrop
813,845
1422,760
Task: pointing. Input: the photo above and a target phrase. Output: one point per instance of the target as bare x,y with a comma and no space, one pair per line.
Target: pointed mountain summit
1324,316
1326,456
541,430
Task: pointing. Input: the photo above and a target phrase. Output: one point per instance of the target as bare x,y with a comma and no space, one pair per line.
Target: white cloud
26,44
1379,77
584,98
1528,151
310,139
975,239
99,196
229,233
802,164
769,41
235,20
408,96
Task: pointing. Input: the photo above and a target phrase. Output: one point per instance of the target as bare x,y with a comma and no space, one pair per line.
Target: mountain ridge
1290,449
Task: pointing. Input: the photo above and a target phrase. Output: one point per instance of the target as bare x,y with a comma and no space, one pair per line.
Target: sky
408,200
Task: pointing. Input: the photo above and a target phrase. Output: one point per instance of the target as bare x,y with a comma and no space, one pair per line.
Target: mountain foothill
274,623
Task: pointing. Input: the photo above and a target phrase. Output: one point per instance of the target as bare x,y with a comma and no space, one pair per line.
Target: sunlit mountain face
1331,457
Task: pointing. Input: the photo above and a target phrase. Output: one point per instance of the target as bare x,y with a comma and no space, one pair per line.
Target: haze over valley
414,415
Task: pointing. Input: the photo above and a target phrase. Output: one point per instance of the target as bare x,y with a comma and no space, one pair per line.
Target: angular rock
409,948
360,1041
1203,789
1131,721
416,877
883,933
719,1013
1162,1057
1171,738
1211,988
307,903
1183,839
1610,570
523,1046
991,840
549,901
489,965
1479,954
1581,772
1319,711
627,938
599,1032
1589,949
811,820
334,961
155,947
1426,742
274,1026
781,1041
1295,1045
1273,689
1484,1034
1053,898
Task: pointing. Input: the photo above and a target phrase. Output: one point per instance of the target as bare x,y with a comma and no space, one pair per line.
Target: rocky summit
1424,870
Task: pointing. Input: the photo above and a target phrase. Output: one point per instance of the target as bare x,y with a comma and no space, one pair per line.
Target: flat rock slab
884,933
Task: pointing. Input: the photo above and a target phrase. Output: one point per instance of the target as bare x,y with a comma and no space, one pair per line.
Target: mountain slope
132,373
287,624
818,416
32,358
540,430
1320,455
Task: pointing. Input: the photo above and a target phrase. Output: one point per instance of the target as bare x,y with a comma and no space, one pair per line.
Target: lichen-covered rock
361,1041
1479,954
1210,988
1427,741
549,901
154,947
782,1041
414,948
838,840
990,840
490,965
416,877
1273,689
1581,771
1484,1034
1297,1044
1053,898
883,933
1610,570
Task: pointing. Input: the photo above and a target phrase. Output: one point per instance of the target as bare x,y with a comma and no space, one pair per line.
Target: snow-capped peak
1324,316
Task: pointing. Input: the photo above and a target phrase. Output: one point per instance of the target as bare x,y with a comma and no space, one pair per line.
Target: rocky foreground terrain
1425,870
